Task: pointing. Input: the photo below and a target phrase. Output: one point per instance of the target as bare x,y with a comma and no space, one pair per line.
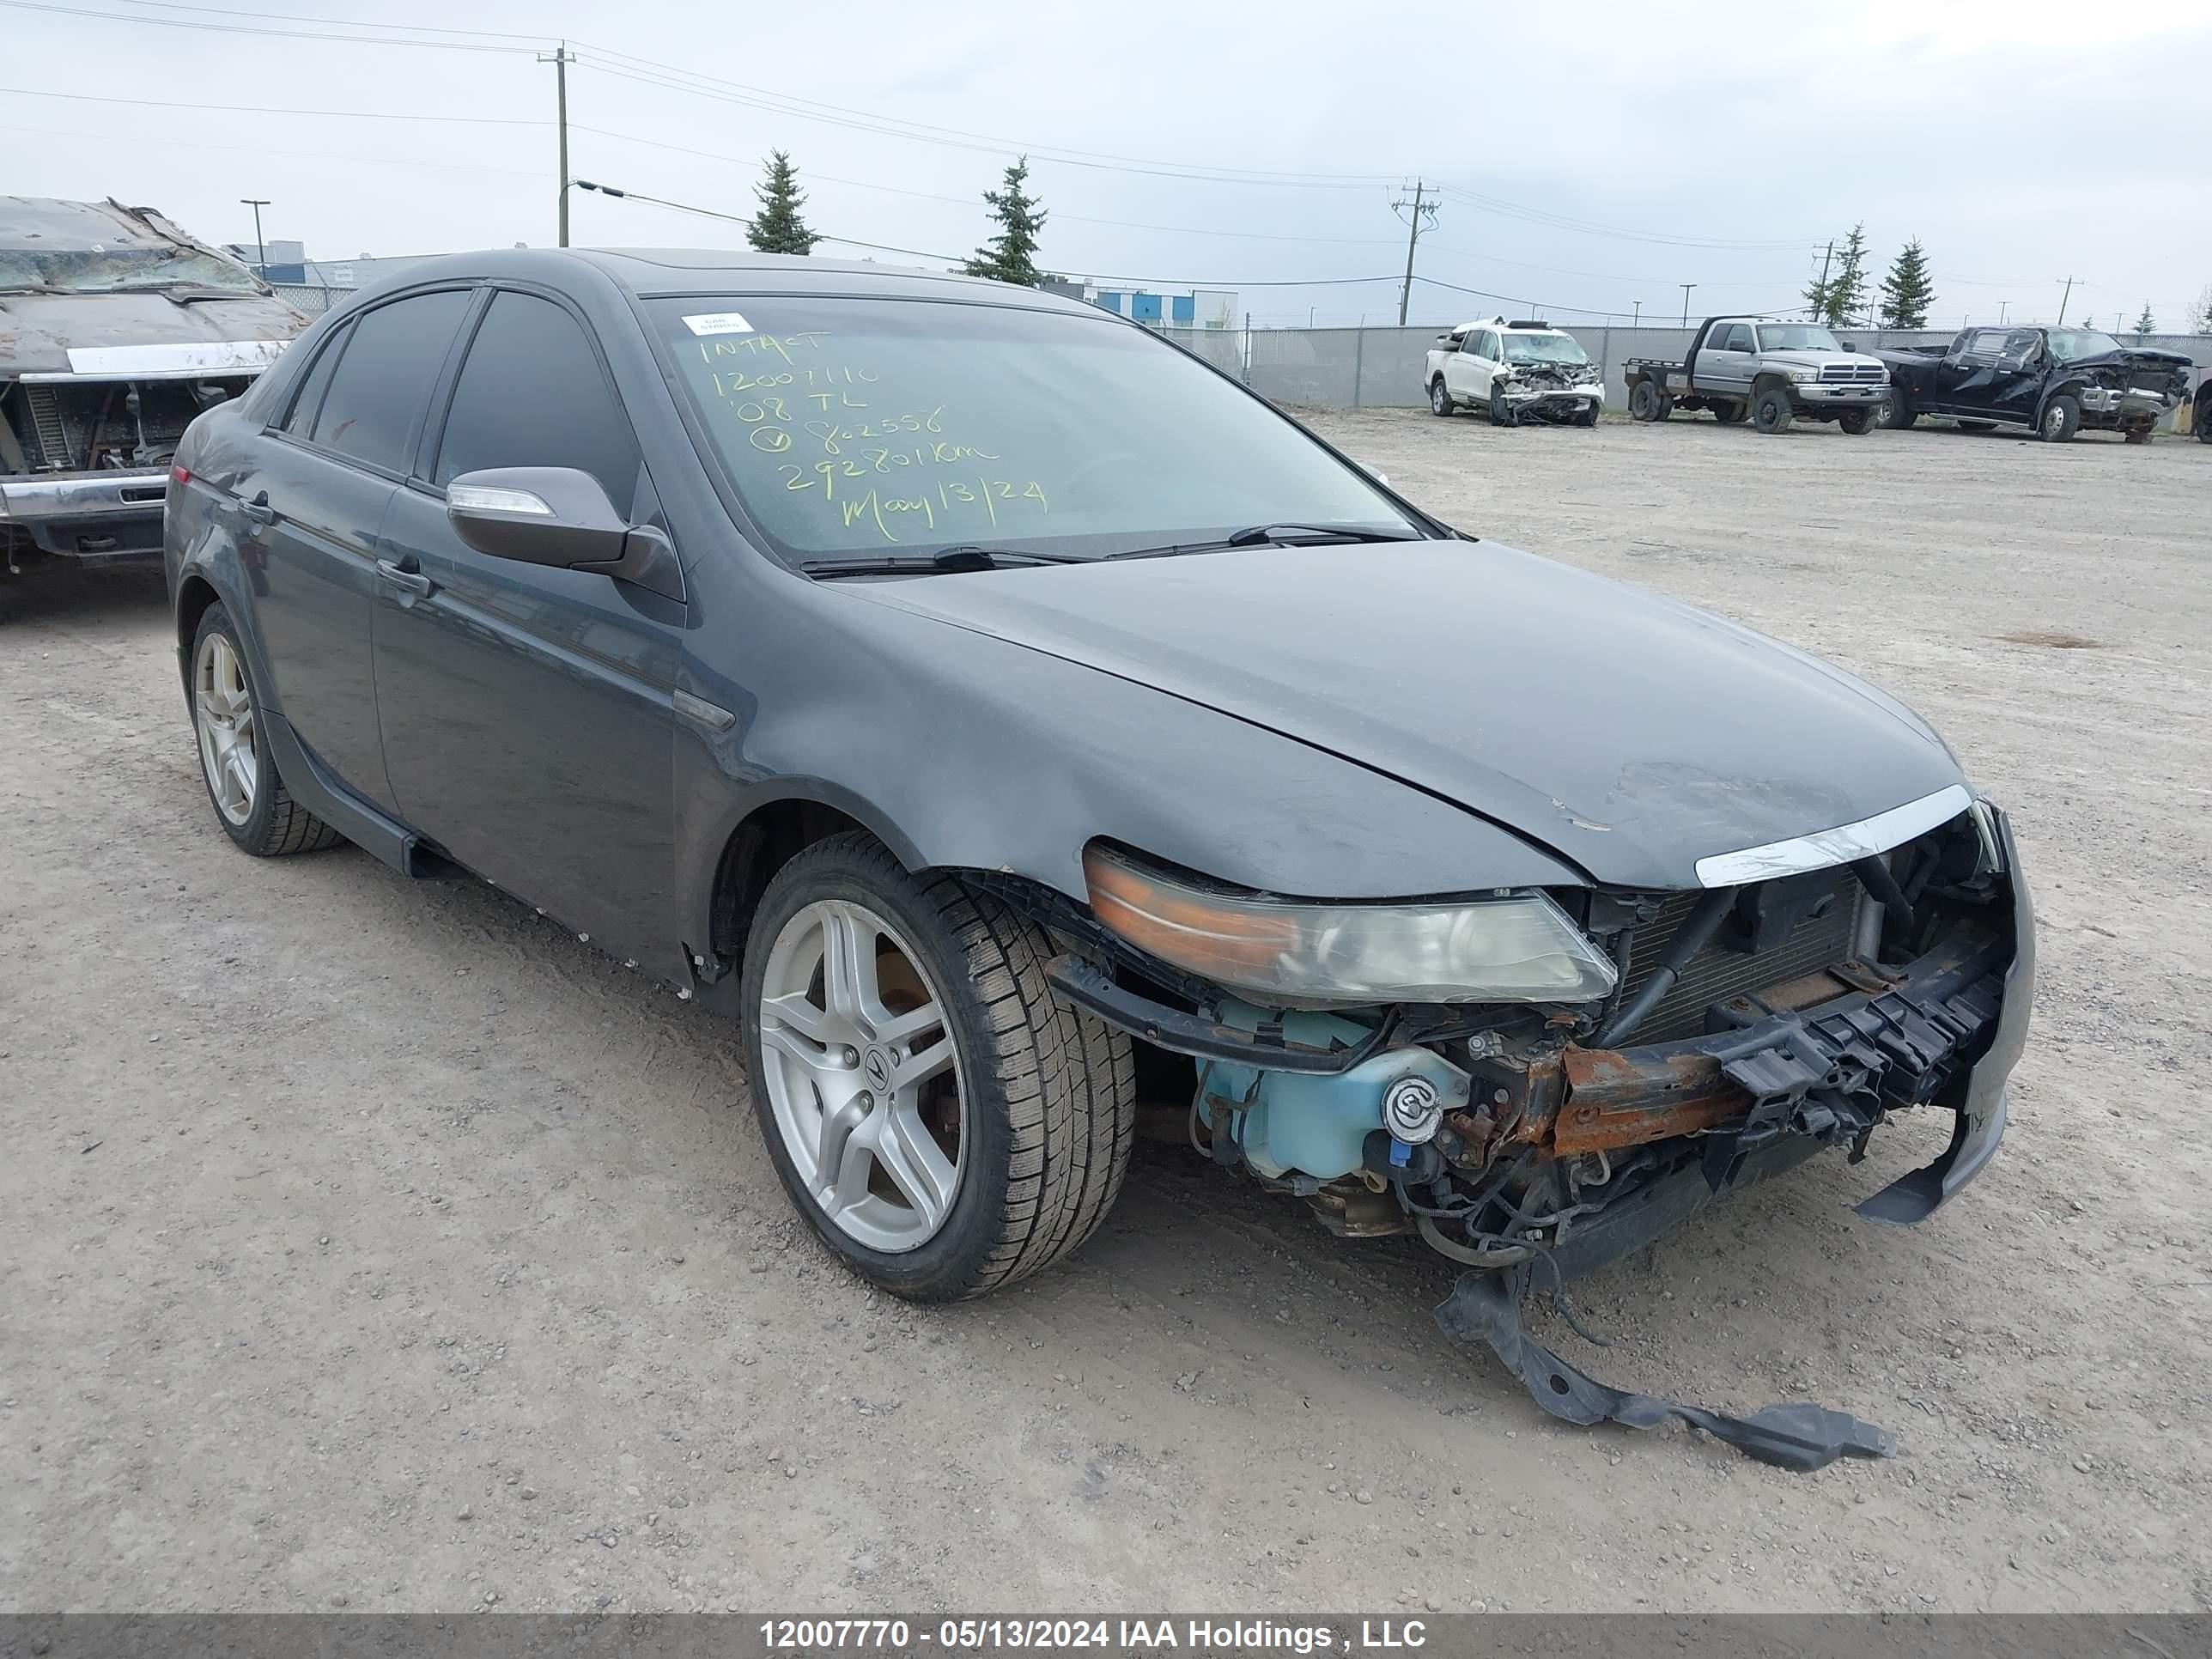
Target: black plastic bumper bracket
1801,1436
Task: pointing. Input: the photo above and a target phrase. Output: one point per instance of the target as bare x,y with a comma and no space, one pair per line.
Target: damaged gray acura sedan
986,704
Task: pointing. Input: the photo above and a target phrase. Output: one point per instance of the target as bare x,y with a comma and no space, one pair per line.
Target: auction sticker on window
719,322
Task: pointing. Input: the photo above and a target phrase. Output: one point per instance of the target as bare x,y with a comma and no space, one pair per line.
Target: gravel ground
372,1244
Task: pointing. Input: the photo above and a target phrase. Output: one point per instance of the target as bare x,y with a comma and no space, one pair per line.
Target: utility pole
1686,288
1637,321
561,60
258,203
2063,299
1415,222
1822,287
2003,305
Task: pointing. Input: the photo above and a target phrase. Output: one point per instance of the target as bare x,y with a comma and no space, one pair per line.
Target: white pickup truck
1513,371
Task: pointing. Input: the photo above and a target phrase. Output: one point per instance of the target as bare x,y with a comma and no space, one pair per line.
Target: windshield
83,270
1544,349
2068,344
1796,337
851,427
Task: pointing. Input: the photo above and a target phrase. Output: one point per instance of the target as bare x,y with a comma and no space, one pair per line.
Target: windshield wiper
1287,535
966,556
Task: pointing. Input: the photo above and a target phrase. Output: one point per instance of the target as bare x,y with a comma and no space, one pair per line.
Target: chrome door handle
257,511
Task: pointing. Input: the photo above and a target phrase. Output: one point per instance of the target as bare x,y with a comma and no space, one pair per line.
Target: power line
1562,221
240,29
264,109
342,22
262,150
924,253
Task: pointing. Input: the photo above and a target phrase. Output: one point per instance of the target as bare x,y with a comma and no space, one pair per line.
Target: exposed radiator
1715,975
46,429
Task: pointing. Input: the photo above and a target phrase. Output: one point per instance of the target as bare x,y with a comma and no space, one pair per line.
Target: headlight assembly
1515,947
1800,376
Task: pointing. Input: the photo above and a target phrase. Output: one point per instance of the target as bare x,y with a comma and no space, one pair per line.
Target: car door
1725,361
1966,386
527,710
310,507
1473,365
2016,379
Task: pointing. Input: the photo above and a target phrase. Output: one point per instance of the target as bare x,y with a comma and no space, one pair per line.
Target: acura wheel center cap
876,1066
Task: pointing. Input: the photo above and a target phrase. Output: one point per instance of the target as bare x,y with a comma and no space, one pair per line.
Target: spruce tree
1908,292
2146,324
777,228
1011,256
1844,294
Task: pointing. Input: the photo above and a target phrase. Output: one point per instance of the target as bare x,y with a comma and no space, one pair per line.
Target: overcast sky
1715,144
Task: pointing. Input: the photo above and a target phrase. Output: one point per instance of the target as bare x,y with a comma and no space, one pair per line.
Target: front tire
1770,412
1729,413
1501,412
2062,419
1856,421
940,1119
1440,401
1894,413
250,801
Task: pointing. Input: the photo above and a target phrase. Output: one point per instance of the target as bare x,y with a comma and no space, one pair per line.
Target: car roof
49,224
647,272
1503,326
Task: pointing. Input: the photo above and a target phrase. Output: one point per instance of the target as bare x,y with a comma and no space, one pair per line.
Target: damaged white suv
1517,371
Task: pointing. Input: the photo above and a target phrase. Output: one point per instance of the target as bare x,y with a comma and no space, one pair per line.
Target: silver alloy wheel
222,714
862,1075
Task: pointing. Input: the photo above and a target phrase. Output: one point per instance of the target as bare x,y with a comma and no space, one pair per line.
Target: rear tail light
178,475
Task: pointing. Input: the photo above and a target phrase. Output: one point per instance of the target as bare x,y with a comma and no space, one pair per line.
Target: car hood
1628,733
2128,358
38,331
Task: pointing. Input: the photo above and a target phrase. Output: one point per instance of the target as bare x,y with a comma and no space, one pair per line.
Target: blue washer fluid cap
1400,1154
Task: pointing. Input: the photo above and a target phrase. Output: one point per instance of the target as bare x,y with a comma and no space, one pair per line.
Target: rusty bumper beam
1616,1099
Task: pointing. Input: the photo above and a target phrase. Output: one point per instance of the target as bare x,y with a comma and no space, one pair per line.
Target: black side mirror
558,516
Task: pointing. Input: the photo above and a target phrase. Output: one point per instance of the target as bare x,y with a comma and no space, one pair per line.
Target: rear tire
1440,401
975,1185
2061,420
1645,401
1770,412
250,801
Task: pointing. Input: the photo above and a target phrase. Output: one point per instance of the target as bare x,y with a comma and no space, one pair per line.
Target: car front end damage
1809,991
2131,394
1552,391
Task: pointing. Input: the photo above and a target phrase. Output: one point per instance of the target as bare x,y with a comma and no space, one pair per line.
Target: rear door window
382,384
300,423
531,393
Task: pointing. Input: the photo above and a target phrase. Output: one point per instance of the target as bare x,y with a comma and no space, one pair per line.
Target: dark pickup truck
2054,381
